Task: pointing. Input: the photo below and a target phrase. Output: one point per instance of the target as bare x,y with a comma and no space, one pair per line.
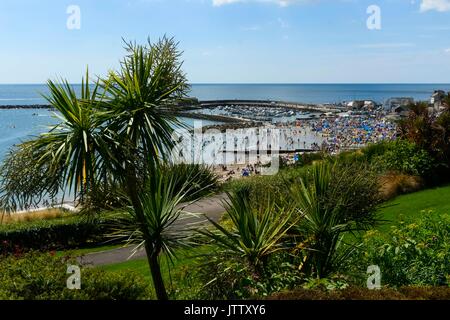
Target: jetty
27,106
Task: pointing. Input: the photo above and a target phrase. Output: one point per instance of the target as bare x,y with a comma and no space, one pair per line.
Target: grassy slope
410,205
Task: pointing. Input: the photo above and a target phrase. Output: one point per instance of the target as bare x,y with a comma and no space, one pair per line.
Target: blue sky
233,41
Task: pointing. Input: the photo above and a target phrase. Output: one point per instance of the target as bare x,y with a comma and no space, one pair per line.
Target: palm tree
122,133
66,157
140,122
76,143
157,230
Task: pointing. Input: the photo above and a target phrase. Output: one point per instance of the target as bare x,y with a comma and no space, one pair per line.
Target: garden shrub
412,253
42,276
260,187
230,277
73,231
308,158
406,157
374,150
273,186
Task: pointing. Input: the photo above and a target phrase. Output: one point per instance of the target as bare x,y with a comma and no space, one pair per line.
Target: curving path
212,207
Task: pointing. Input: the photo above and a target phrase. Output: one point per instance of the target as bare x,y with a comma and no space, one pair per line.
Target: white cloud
438,5
447,50
281,3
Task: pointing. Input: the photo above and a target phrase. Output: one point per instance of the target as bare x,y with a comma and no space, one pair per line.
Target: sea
17,125
30,94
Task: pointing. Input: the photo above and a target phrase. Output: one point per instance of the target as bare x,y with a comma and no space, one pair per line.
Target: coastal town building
361,105
399,104
437,99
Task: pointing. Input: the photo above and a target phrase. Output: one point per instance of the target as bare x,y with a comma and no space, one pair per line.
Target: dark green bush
273,186
73,231
374,150
308,158
405,157
41,276
230,277
260,187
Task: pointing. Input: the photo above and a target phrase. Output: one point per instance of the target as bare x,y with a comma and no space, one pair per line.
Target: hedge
73,231
42,276
358,293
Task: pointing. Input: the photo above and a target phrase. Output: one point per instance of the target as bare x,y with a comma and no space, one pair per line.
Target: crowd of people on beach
351,132
332,134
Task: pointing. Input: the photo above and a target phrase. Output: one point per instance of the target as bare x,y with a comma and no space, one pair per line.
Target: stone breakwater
272,104
31,106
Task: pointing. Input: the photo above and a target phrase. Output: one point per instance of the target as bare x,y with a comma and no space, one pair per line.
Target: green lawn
410,205
180,282
79,252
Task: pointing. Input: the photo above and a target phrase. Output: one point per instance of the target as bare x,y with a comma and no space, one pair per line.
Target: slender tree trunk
158,281
152,253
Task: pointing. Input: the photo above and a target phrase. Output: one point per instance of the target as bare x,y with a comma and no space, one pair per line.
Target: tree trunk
152,253
157,278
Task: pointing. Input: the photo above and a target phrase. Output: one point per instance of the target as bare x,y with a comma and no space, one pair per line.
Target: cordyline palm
140,123
155,227
123,133
73,146
321,227
325,216
256,232
64,158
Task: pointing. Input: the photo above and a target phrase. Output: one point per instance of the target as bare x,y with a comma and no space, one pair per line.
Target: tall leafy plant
256,232
334,201
121,130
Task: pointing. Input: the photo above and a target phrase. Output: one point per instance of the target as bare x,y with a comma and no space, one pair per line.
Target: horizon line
267,83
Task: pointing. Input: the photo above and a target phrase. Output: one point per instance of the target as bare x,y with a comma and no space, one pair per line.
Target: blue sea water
315,93
18,124
306,93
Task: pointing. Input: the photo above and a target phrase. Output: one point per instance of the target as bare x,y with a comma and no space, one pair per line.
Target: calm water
18,124
307,93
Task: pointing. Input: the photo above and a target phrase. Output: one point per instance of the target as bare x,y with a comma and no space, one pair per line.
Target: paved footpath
212,207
